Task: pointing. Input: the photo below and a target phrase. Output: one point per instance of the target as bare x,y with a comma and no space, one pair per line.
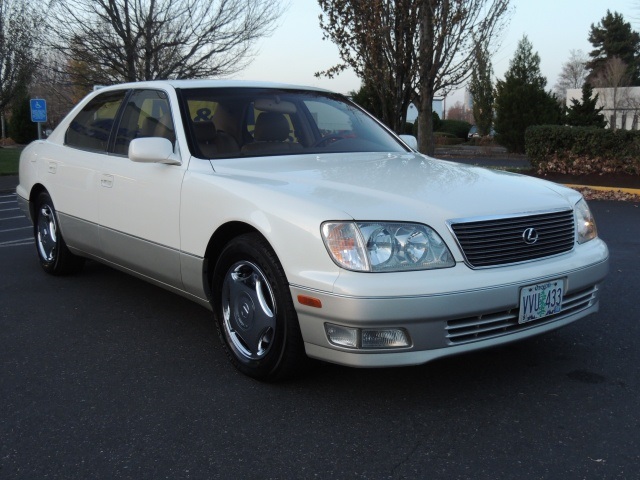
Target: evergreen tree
481,89
368,99
585,113
21,129
613,37
521,100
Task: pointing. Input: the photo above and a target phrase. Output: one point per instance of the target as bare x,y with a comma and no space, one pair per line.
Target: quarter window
91,128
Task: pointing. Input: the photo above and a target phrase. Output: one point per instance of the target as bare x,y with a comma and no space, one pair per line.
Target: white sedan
309,228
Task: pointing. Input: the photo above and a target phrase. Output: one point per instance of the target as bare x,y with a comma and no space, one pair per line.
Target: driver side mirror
410,141
152,150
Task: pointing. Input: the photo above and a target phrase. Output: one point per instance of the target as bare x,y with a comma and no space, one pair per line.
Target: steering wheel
328,140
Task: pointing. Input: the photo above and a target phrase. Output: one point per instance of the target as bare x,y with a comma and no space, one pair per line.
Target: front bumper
443,323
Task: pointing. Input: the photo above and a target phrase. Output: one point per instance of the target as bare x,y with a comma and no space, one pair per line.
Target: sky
296,49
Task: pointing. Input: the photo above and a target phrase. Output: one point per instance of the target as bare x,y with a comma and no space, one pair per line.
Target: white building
621,106
437,105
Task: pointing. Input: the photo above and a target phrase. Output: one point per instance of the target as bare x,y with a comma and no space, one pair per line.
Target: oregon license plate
541,300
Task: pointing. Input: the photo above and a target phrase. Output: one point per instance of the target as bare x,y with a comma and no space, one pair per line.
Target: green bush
408,128
458,128
21,129
582,150
445,138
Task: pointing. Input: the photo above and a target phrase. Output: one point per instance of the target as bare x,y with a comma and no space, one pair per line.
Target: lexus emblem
530,236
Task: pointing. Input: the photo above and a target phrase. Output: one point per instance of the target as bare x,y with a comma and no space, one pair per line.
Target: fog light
342,336
388,338
367,338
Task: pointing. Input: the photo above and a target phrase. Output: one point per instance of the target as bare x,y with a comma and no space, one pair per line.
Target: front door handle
106,181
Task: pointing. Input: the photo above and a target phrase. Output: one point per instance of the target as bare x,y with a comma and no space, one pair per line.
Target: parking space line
9,209
8,196
15,229
12,218
17,243
11,201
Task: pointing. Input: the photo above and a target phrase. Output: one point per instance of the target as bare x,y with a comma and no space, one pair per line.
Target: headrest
204,131
271,127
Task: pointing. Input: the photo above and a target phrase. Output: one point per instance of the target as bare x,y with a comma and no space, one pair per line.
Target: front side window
91,128
147,114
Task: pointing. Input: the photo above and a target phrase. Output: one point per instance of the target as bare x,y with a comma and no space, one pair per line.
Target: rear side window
90,129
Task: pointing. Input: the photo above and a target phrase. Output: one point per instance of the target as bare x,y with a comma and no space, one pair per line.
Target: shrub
582,150
21,128
445,138
459,128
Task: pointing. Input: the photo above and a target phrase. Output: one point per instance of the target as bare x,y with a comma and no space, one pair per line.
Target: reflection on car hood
398,187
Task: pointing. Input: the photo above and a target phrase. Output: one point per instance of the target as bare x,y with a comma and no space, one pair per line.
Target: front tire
255,316
55,257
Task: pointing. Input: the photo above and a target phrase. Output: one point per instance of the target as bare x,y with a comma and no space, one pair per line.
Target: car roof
209,83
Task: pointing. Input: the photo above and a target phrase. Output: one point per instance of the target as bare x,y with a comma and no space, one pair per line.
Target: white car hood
406,187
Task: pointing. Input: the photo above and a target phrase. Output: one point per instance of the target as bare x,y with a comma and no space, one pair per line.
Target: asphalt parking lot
105,376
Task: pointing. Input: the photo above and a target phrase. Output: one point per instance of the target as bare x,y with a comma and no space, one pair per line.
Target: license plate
541,300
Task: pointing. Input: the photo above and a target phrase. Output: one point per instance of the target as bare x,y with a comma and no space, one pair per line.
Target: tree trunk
426,142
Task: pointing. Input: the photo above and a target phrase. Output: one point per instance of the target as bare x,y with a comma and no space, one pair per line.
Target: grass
9,158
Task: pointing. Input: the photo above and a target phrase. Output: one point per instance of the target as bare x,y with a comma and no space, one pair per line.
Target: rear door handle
106,181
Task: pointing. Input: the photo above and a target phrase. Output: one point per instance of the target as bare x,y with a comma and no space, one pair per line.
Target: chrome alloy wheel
47,234
249,312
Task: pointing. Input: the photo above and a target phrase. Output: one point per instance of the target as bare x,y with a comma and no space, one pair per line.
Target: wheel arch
36,190
223,235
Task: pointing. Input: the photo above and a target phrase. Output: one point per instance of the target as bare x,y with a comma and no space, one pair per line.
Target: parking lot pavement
15,228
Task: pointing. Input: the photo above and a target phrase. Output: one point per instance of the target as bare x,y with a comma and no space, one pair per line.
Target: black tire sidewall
45,199
253,248
64,262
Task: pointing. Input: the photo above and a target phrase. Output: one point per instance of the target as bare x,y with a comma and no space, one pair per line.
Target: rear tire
255,317
55,257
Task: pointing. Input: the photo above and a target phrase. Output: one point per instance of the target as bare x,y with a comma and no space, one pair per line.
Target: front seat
271,135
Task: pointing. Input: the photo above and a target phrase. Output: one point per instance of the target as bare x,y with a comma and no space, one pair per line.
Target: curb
631,191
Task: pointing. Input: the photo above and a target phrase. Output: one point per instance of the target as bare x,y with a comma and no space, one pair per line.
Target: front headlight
585,223
385,247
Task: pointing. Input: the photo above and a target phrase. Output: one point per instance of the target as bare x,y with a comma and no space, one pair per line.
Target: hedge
458,128
582,150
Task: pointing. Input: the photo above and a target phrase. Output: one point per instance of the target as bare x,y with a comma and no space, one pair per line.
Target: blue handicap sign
38,110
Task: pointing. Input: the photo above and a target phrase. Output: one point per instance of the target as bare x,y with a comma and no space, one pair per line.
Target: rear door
72,171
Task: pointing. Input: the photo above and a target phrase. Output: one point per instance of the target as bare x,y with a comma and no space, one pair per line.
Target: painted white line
9,209
12,218
14,229
8,196
11,201
10,242
2,245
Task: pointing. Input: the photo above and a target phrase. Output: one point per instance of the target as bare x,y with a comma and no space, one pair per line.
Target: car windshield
236,122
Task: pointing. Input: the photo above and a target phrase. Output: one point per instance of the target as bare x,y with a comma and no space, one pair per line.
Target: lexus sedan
307,227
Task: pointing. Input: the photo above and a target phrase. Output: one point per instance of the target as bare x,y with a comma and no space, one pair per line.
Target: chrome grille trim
482,327
496,241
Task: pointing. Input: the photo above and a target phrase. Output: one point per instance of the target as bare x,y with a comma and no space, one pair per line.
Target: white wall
623,101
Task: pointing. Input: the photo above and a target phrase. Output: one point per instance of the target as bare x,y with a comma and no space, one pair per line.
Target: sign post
38,113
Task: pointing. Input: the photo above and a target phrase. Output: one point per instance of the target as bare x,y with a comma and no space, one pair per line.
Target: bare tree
573,74
421,47
613,80
448,34
108,41
376,38
18,33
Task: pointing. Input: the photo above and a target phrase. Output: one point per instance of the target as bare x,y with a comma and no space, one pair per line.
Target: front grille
482,327
500,241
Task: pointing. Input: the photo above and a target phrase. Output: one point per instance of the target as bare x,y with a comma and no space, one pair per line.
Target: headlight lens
385,247
585,223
